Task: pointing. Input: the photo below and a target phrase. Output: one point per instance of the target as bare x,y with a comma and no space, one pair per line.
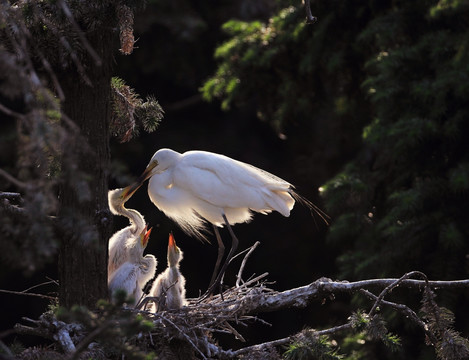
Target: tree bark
83,252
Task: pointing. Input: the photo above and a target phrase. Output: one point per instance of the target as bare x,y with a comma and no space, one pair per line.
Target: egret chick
134,273
169,286
199,187
130,234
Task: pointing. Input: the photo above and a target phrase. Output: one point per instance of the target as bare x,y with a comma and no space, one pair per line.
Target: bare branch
28,294
301,296
310,19
183,334
390,287
10,112
10,195
13,180
403,309
243,263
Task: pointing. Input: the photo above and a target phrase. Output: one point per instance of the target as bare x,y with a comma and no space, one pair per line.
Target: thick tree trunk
83,252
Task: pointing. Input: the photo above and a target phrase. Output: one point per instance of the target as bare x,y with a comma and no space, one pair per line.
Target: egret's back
200,186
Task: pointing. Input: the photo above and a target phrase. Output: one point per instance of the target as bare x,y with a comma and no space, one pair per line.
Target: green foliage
308,346
414,163
450,345
129,110
374,328
278,66
392,76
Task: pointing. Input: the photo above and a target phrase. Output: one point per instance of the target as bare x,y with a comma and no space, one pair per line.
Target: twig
390,287
243,263
283,341
5,349
10,112
185,336
52,280
310,19
28,294
405,310
38,285
13,180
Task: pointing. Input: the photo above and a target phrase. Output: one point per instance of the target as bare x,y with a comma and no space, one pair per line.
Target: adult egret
126,237
134,273
197,187
169,286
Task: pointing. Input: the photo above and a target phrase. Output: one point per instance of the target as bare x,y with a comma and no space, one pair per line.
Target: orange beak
146,237
171,241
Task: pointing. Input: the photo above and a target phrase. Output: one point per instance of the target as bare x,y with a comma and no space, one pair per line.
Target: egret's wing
125,278
225,182
117,250
147,269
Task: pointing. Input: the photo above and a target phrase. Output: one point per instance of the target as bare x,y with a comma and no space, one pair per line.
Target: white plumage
199,187
120,242
169,286
135,272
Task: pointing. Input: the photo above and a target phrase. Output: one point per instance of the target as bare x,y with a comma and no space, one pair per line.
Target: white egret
134,273
197,187
169,286
124,238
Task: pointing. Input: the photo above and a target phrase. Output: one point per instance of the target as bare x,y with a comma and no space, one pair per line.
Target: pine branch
79,32
125,18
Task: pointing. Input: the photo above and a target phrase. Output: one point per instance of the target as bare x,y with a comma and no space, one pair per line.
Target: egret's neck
174,274
136,219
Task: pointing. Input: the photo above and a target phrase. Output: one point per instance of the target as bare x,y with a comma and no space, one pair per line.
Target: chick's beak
146,236
130,190
171,241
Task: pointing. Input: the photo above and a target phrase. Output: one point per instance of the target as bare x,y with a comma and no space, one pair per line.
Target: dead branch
310,19
243,263
28,294
13,180
301,296
196,323
50,328
125,18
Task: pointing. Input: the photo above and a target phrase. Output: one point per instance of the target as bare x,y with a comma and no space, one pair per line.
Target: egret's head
161,161
174,253
145,236
118,197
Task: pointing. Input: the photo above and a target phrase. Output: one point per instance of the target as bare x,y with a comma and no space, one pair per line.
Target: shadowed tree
58,67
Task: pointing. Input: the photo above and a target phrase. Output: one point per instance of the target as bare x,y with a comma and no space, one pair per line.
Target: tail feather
312,207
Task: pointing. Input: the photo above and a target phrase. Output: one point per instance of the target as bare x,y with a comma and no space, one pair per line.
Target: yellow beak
129,190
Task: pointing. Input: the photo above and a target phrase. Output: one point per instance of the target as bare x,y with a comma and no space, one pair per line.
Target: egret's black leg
234,246
221,251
